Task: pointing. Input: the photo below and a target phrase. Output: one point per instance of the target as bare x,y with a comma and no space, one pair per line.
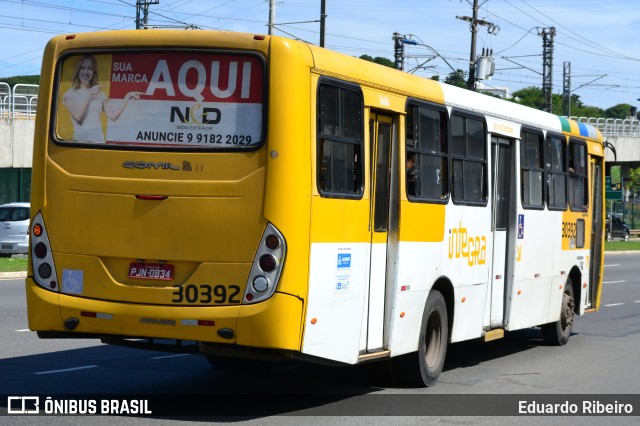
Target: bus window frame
455,157
154,148
446,174
542,170
548,172
340,84
585,176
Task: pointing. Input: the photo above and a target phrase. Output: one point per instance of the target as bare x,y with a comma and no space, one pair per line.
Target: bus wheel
558,333
424,367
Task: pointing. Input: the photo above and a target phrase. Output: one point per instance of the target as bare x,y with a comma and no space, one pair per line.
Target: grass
632,244
17,264
13,264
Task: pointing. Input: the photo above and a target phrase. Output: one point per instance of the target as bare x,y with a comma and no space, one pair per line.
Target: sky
599,40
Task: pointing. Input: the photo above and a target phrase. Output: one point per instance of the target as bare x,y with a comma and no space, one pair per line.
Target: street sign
612,194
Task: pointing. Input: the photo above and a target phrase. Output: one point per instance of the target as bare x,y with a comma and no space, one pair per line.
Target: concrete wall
16,142
627,149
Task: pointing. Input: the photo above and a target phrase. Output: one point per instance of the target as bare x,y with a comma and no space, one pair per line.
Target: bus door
383,221
503,225
595,265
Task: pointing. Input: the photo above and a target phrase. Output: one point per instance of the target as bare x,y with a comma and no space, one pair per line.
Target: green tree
456,79
21,79
634,180
618,111
529,96
379,60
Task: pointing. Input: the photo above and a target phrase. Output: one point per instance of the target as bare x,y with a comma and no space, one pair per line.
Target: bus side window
426,155
577,178
532,170
468,160
340,141
556,167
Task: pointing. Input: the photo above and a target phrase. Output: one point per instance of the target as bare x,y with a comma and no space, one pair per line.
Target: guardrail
19,102
629,127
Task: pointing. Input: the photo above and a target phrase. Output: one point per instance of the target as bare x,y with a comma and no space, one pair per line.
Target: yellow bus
253,198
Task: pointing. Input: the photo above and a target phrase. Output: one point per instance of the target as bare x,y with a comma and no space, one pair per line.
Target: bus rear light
260,284
40,250
44,270
272,241
267,263
267,266
41,257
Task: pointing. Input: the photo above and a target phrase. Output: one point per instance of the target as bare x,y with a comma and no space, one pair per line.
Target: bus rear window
161,99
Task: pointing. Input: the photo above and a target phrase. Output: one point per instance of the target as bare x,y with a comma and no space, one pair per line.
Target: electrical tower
142,8
566,89
547,67
473,27
398,51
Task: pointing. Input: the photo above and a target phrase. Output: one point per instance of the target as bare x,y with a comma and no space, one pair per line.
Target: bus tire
423,368
558,333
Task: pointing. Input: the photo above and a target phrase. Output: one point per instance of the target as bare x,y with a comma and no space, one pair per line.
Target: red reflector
206,323
70,37
249,297
89,314
258,37
151,197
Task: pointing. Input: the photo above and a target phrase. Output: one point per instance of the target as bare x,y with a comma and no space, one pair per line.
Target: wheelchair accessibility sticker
72,281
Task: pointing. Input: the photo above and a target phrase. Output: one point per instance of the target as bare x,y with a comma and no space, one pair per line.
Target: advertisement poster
175,99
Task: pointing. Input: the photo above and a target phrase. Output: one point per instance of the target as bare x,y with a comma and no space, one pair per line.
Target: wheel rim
433,339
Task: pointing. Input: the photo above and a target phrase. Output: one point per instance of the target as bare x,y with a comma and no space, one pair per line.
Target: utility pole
473,26
547,67
323,17
272,15
398,51
142,7
566,89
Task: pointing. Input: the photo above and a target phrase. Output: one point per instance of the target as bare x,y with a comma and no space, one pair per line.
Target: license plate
7,247
151,271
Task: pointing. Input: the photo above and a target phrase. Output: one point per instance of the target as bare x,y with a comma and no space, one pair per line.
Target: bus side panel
337,300
535,271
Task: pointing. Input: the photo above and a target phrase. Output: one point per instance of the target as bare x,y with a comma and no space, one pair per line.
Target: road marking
614,304
24,329
613,282
169,356
613,264
84,367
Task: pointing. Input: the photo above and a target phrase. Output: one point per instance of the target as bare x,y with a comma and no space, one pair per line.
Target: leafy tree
618,111
21,79
379,60
634,180
456,79
529,96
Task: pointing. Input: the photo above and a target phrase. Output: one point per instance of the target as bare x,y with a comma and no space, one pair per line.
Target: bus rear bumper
273,324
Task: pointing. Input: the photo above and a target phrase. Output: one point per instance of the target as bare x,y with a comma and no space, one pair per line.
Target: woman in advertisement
85,101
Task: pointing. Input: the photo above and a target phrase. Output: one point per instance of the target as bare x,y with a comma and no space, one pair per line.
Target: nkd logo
196,114
149,165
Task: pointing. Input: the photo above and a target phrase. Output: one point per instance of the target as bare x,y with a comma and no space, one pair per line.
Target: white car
14,229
